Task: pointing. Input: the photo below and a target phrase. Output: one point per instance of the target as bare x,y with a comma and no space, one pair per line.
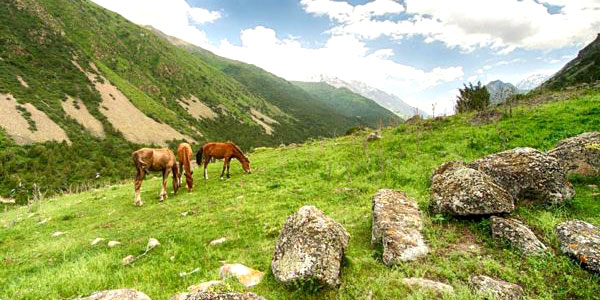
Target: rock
461,191
44,221
58,233
373,137
96,241
204,287
592,186
580,240
517,234
128,259
497,289
529,173
217,296
310,247
246,276
218,241
580,154
422,283
397,225
120,294
448,166
152,243
112,244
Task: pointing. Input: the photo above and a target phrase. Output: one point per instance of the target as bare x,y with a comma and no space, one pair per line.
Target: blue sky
420,50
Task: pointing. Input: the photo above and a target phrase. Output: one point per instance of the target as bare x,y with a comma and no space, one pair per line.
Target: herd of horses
163,160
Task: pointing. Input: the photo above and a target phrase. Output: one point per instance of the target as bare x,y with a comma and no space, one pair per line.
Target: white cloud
345,57
469,24
173,17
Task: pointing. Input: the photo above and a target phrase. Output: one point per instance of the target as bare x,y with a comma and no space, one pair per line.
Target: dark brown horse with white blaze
162,160
184,155
224,151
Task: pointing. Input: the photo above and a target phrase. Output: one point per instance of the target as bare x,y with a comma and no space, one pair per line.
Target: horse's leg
206,161
180,173
163,191
228,164
141,173
225,161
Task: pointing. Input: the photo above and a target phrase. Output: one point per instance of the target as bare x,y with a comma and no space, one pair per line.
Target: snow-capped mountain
531,82
389,101
500,91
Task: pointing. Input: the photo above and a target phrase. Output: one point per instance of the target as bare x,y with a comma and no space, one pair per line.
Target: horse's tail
199,157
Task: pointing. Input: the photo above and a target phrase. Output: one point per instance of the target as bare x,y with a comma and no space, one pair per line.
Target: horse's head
246,165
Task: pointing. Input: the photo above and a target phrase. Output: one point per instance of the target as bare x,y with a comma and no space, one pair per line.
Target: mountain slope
349,103
500,91
585,68
531,82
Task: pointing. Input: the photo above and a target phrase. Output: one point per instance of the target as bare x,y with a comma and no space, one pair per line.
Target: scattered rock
422,283
184,214
529,173
373,137
120,294
204,287
152,243
397,225
218,241
58,233
580,154
580,240
112,244
96,241
517,234
246,276
7,201
218,296
44,221
462,191
497,289
183,274
128,259
592,186
310,247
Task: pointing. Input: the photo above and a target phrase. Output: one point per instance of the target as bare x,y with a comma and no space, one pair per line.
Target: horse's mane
239,150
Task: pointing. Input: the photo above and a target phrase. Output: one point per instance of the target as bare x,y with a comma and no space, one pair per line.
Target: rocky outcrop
397,225
310,247
517,234
246,276
120,294
426,284
529,173
580,154
496,289
217,296
461,191
580,240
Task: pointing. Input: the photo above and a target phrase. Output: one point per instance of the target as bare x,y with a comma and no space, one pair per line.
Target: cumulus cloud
343,56
173,17
468,24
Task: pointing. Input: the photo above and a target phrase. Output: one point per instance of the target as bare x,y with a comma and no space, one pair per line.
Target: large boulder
526,172
517,234
397,225
496,289
580,154
217,296
580,240
120,294
310,247
461,191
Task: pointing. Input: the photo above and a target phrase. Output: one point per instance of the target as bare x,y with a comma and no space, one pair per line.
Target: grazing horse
223,151
148,159
184,155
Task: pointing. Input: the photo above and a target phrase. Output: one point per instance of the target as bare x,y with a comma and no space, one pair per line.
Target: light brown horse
223,151
184,155
148,159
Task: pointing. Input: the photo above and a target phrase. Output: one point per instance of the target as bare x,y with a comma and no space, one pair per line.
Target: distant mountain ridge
500,91
389,101
531,82
585,68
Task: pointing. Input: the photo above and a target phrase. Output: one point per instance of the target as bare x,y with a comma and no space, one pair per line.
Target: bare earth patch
77,110
197,109
263,120
22,81
18,128
128,119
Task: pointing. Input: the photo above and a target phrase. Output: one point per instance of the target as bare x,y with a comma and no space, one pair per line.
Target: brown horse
163,160
223,151
184,155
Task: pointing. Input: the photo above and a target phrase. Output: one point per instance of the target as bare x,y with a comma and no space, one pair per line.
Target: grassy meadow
339,176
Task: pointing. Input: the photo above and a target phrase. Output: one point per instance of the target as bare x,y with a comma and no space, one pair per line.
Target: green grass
251,209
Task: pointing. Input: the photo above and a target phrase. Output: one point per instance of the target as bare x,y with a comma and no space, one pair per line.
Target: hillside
105,86
350,104
585,68
339,176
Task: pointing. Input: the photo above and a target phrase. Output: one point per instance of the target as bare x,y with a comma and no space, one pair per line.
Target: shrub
472,98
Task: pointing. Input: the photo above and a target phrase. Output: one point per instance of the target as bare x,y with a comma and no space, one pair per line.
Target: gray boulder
496,289
517,234
529,173
217,296
462,191
120,294
310,247
580,154
580,240
397,225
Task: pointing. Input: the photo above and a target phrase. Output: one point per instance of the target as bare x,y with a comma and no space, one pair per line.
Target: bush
472,98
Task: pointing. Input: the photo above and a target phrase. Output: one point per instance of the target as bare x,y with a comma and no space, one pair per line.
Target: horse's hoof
140,204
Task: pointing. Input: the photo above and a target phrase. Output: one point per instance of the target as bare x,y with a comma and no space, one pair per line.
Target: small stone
44,221
204,287
246,276
517,234
217,296
422,283
120,294
218,241
184,214
112,244
373,137
152,243
592,186
128,259
581,241
58,233
498,289
96,241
